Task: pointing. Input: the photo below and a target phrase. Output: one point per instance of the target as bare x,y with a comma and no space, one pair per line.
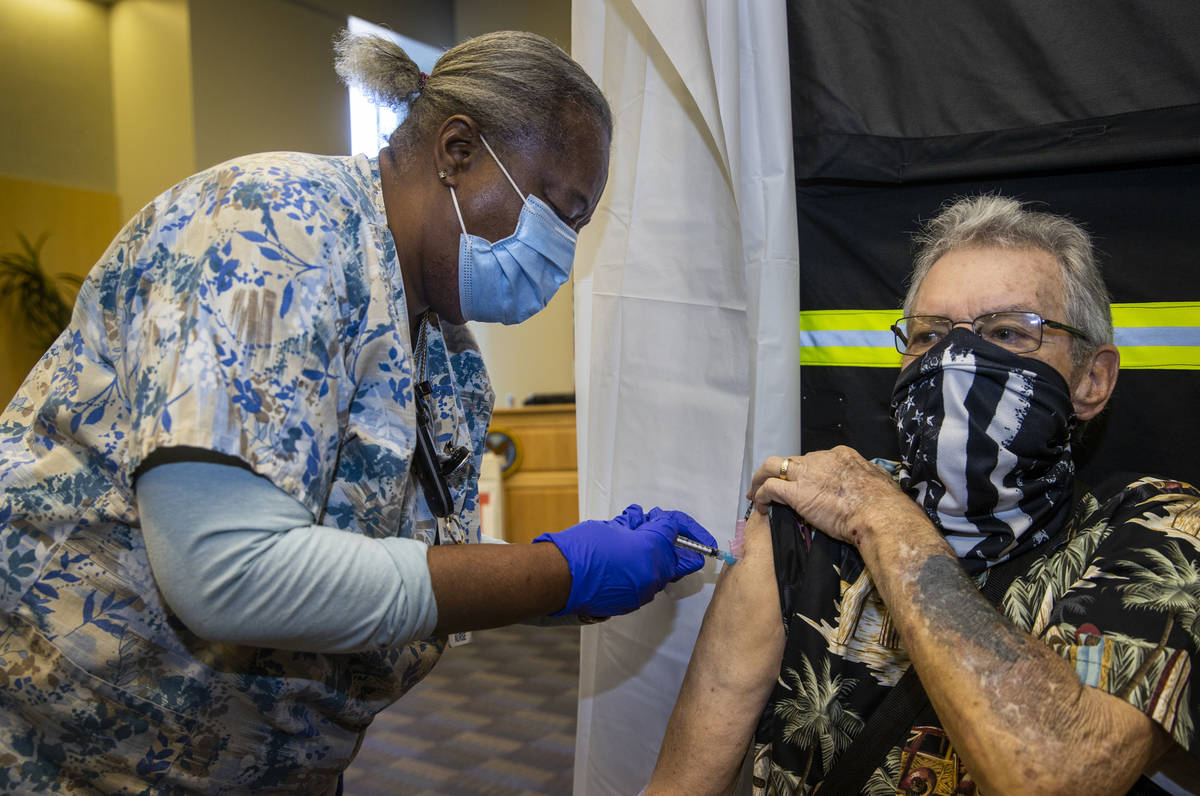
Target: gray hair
518,87
992,220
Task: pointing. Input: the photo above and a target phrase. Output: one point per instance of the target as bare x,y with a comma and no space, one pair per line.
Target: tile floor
496,717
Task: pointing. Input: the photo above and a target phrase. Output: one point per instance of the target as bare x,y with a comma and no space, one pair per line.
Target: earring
441,175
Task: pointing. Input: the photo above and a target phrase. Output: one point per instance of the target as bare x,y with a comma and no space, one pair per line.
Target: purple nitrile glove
631,517
688,527
619,565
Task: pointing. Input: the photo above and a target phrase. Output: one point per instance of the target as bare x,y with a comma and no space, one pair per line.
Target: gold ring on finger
783,468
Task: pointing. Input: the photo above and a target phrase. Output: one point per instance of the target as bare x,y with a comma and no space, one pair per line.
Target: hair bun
378,67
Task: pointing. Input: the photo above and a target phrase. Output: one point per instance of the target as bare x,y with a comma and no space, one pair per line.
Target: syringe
739,532
704,550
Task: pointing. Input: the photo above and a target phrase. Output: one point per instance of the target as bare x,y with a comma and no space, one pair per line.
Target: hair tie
422,81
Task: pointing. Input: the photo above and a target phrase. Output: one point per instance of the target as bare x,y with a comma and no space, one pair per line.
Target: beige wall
429,22
152,99
57,167
252,64
537,356
550,18
263,71
57,94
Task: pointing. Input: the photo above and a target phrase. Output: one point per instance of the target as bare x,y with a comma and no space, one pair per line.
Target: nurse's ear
1094,382
456,148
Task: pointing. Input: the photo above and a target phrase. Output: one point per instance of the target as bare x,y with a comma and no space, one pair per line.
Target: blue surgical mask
512,279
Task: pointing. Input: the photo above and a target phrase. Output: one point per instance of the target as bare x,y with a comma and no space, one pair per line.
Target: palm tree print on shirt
816,716
1119,598
1170,583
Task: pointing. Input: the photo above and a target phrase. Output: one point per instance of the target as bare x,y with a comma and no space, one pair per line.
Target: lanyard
431,468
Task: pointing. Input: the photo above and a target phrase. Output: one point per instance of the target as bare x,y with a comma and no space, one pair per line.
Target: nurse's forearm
482,586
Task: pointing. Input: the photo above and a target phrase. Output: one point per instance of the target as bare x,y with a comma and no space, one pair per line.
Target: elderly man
1078,681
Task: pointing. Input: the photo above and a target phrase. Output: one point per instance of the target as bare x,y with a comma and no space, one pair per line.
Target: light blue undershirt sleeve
239,561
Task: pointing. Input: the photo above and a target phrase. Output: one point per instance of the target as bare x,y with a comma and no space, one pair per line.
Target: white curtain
686,295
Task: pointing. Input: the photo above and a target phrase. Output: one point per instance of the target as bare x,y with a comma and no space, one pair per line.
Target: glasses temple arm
1065,328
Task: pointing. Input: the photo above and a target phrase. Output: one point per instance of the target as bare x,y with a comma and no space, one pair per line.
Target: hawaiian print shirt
256,310
1119,597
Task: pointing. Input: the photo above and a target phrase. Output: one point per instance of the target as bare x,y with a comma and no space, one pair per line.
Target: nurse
238,496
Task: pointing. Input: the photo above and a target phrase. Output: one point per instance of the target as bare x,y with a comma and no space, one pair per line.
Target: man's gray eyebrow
1008,308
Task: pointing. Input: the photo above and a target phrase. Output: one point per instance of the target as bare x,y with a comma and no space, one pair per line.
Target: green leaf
32,294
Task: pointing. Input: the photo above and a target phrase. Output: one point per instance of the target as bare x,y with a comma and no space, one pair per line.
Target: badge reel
432,473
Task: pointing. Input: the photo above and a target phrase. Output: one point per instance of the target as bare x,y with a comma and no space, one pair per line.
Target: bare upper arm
733,668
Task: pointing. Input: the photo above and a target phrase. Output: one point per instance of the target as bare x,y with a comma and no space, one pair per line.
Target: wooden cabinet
541,484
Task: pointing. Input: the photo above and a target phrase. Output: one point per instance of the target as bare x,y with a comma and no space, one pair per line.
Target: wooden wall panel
541,488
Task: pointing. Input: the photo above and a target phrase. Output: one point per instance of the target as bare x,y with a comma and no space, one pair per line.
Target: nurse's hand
618,565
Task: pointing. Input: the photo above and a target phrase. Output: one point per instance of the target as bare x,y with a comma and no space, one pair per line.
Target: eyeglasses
1019,332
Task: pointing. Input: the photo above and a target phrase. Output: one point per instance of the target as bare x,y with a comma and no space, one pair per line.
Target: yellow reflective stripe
850,356
838,320
1155,323
1159,357
860,338
816,324
1157,313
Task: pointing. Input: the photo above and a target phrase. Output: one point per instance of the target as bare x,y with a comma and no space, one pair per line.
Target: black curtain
1091,109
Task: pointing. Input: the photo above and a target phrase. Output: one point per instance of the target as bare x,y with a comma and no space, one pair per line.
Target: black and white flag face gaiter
985,446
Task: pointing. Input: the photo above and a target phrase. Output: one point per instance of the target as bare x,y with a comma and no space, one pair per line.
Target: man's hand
836,491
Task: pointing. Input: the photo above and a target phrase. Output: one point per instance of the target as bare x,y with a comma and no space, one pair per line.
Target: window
370,125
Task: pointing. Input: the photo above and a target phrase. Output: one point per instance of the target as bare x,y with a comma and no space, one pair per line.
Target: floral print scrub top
255,310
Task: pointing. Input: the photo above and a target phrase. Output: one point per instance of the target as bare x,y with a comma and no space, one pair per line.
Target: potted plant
32,294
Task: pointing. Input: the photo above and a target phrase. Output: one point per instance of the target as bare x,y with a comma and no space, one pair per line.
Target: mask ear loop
501,165
457,212
511,182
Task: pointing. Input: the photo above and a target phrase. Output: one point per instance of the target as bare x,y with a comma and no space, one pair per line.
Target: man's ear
455,147
1095,382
